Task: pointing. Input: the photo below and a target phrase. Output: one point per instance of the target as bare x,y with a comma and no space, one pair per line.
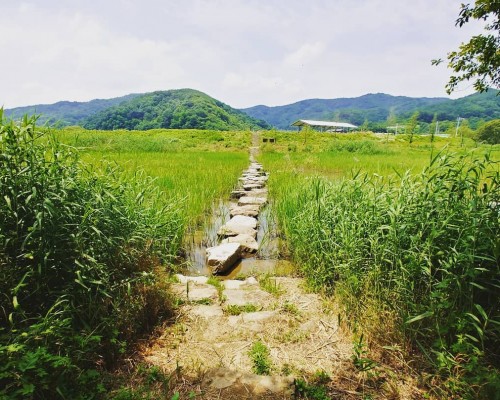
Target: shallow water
265,260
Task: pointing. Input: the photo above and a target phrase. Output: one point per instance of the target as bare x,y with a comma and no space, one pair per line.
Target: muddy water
265,260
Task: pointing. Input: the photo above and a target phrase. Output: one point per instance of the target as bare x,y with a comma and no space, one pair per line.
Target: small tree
411,127
490,132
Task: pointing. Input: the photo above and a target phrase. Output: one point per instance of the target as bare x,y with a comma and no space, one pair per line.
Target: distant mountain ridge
67,112
180,109
189,108
377,108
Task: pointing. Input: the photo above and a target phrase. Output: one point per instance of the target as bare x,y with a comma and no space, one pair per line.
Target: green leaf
419,317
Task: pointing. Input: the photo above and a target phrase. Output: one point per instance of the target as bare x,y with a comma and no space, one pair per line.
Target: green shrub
490,132
78,248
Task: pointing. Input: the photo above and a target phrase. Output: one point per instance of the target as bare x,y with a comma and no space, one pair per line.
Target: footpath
260,336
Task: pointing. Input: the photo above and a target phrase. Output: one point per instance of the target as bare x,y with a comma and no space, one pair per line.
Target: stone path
210,350
242,227
220,322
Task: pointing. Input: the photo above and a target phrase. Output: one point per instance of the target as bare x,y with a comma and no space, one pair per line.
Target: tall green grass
413,259
78,250
195,167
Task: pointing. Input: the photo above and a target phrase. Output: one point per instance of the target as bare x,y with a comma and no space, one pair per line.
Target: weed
270,285
359,357
291,309
260,357
233,309
212,280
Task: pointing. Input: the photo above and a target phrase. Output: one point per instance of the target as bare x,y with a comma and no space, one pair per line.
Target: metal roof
329,124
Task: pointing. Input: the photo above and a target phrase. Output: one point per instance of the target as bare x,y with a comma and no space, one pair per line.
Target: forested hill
182,109
377,107
66,112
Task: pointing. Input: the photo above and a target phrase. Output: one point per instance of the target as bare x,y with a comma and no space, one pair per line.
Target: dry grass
302,335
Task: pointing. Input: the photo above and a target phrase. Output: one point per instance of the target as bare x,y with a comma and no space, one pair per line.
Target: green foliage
234,309
411,126
422,251
270,285
479,58
260,357
77,253
490,132
65,113
381,110
173,109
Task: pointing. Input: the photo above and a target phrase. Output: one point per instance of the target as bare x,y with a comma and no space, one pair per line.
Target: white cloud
244,52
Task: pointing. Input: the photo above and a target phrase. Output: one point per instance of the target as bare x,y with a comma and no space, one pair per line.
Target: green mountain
66,112
182,109
484,106
377,107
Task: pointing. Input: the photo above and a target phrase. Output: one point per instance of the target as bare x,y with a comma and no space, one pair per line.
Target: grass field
403,232
194,167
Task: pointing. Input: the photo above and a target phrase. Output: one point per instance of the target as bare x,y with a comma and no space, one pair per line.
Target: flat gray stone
252,384
250,186
194,292
207,312
250,210
239,224
251,200
236,194
247,242
223,257
195,279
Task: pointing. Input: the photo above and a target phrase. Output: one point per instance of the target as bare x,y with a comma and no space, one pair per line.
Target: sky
242,52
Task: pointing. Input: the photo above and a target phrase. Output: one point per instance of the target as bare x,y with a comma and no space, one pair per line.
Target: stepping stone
250,186
248,243
236,194
245,200
223,257
257,193
250,210
244,382
239,224
207,312
196,279
195,292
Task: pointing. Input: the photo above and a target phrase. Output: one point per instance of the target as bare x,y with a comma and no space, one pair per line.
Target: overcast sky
242,52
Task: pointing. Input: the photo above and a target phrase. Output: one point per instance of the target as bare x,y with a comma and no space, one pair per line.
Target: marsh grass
421,249
80,250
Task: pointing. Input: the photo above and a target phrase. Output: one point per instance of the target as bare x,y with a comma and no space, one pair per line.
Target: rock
195,279
233,284
257,193
223,257
239,224
251,281
194,292
207,312
249,384
251,200
250,186
248,243
236,194
250,210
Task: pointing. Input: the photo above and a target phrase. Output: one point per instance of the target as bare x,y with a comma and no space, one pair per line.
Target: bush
490,132
78,249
